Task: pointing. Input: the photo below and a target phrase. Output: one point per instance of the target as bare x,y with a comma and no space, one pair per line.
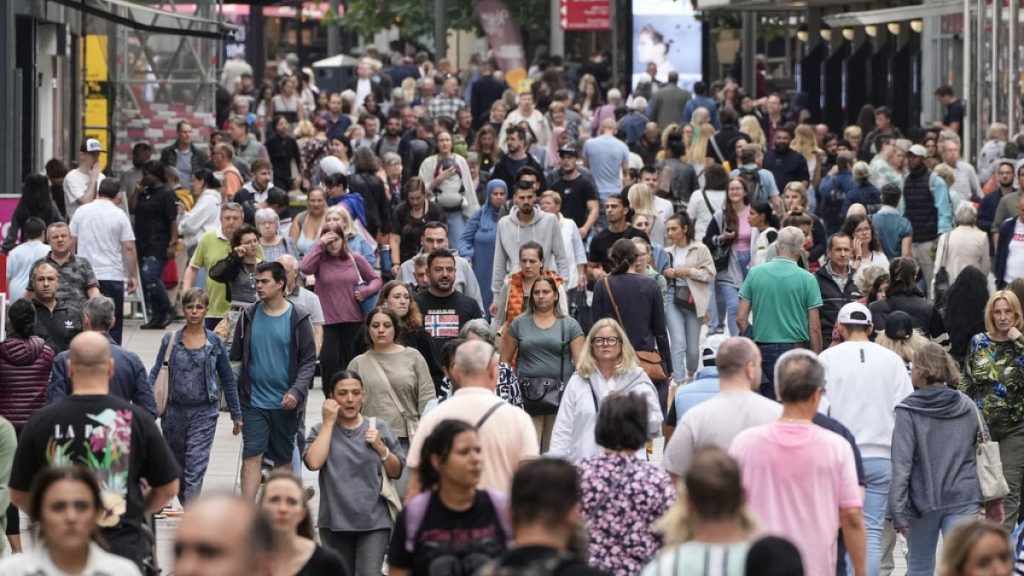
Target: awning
769,6
884,16
150,18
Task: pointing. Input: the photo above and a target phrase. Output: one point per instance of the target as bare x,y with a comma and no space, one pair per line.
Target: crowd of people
510,295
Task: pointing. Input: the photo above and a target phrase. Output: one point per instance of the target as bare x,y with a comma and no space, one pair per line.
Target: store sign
585,15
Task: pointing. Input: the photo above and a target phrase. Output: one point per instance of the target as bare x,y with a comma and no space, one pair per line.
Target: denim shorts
269,432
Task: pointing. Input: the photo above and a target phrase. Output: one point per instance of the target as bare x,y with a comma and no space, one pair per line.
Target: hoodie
542,228
933,447
573,435
25,365
353,202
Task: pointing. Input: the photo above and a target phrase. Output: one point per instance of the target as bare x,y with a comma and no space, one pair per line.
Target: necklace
252,274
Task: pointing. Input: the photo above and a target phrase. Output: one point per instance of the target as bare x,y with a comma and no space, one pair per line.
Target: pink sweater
336,281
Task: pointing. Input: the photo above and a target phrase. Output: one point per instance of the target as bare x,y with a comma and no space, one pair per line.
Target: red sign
585,15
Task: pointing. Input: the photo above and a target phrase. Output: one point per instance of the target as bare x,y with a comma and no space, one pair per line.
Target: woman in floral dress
994,378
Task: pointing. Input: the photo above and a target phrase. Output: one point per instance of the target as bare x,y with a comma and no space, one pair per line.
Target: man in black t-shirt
444,309
546,515
954,117
580,200
156,239
117,441
618,213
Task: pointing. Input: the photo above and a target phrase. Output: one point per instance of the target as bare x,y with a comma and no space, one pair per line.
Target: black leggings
13,519
339,348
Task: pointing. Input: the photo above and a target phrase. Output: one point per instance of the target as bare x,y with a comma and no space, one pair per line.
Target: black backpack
753,181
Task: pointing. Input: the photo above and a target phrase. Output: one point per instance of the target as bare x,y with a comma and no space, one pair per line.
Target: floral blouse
994,378
622,498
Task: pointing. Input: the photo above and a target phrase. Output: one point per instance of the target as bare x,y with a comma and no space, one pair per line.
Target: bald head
476,365
734,355
223,536
856,209
90,365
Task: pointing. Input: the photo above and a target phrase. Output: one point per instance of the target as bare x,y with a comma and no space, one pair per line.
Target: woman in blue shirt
479,236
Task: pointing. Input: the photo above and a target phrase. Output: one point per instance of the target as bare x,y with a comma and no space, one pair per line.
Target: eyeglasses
606,341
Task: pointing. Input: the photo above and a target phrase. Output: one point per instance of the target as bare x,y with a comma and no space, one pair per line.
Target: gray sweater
543,229
933,462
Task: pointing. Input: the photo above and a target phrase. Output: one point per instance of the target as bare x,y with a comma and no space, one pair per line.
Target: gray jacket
543,229
301,354
933,463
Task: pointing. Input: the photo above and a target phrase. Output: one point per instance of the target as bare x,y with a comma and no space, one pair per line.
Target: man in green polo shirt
213,247
785,300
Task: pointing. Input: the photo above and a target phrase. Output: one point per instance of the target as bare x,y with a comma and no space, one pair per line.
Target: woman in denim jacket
198,369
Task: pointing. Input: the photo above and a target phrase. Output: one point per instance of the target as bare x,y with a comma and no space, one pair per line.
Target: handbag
542,396
388,490
411,424
721,251
682,296
370,302
650,360
162,384
942,275
989,464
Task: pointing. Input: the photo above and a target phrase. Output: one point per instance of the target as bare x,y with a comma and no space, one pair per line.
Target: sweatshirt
933,461
543,229
864,383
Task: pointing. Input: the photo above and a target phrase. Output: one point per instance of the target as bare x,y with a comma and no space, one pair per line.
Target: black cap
569,149
899,325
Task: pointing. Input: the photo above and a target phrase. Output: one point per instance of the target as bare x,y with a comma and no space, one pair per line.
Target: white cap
918,150
855,313
331,165
711,345
92,146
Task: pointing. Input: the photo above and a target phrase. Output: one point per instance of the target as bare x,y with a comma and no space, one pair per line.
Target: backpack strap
415,510
500,502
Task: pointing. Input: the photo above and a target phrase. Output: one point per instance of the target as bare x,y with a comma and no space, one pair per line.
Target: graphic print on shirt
106,450
441,323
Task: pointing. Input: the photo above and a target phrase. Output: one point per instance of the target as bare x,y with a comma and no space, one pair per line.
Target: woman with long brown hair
295,552
728,239
486,147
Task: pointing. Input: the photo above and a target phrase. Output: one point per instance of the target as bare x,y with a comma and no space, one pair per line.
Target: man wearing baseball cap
579,194
80,184
863,383
927,207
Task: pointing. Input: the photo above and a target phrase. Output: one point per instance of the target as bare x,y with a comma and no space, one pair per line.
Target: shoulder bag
650,360
162,384
722,249
542,396
681,294
989,463
388,491
411,424
942,275
369,302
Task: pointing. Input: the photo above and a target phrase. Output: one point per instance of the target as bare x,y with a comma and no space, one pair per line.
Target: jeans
877,474
200,278
924,536
769,356
456,222
114,289
727,297
923,254
684,337
152,271
362,552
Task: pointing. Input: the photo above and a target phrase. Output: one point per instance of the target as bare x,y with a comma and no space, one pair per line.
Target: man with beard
57,320
391,137
516,158
579,195
786,164
445,310
987,210
648,146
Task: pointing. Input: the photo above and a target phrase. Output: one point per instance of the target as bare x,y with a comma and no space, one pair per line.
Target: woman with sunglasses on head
607,365
65,506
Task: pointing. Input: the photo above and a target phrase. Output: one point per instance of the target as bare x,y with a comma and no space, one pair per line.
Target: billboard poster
668,34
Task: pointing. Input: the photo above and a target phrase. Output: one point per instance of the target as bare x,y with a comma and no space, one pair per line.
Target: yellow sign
96,119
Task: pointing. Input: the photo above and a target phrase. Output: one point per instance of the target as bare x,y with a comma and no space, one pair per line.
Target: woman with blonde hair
338,215
697,147
750,126
666,133
607,365
642,200
994,379
806,144
977,547
710,519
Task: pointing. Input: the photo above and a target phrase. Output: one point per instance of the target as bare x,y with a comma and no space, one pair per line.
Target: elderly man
785,300
507,434
129,381
966,183
223,536
801,479
77,279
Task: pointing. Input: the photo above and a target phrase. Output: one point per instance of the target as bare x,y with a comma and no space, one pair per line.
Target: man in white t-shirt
104,237
863,383
80,184
735,408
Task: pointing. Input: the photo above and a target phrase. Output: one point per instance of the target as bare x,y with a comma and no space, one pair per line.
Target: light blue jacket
477,245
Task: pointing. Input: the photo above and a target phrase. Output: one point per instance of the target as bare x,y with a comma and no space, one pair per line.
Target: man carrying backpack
833,193
760,182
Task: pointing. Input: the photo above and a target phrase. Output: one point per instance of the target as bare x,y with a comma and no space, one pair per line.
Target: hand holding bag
162,384
388,491
942,275
650,360
990,465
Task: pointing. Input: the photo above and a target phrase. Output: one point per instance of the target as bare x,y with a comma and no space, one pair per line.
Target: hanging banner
585,15
503,38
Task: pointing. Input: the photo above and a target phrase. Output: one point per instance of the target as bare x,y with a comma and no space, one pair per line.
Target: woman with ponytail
905,294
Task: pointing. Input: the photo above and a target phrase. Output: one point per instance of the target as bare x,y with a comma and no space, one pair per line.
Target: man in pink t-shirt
801,480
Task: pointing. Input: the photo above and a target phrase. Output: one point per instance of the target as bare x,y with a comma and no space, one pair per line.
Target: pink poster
503,37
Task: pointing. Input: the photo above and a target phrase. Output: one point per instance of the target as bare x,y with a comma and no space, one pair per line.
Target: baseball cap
710,350
91,146
855,313
899,325
331,165
917,150
569,149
